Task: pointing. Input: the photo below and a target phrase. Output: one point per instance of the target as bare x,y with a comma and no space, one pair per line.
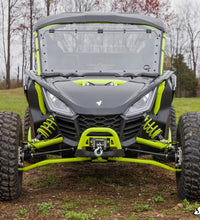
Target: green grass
190,206
183,105
157,199
13,100
78,216
44,207
142,207
22,211
50,181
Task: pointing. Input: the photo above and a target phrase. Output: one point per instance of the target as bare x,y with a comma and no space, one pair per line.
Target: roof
99,17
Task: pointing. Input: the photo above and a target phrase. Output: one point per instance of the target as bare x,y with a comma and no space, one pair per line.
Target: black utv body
99,93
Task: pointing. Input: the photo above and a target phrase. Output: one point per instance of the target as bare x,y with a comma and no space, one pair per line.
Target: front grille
67,128
73,128
131,128
110,121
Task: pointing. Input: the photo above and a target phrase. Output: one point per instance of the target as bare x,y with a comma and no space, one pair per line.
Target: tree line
17,18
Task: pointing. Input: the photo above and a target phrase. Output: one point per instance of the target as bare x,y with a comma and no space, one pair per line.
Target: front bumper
113,153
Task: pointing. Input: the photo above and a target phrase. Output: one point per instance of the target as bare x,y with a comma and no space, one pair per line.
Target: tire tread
188,135
10,137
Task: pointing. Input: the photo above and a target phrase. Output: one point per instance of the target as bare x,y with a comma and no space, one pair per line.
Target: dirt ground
98,191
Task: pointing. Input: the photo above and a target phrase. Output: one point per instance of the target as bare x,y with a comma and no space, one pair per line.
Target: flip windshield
99,47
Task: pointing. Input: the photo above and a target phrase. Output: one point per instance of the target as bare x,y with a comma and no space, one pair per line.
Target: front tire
10,137
188,136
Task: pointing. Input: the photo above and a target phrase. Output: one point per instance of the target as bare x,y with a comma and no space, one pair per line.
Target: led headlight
56,105
141,106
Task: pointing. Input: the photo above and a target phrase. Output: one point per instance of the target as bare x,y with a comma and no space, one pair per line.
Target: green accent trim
46,143
47,27
83,82
40,98
99,159
143,161
84,140
51,25
52,161
81,159
37,54
162,54
29,134
170,136
159,98
155,144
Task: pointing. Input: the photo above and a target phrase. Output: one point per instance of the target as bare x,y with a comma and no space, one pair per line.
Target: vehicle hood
100,99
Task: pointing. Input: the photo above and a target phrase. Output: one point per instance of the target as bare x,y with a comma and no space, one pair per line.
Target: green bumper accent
37,54
84,141
81,159
159,98
40,98
162,55
143,161
83,82
46,143
52,161
162,85
155,144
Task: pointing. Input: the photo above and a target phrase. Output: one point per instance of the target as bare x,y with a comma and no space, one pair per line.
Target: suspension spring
47,128
151,128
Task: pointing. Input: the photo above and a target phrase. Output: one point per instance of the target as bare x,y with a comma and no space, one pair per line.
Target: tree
155,8
31,2
186,79
34,15
50,3
30,13
193,30
184,32
77,5
12,15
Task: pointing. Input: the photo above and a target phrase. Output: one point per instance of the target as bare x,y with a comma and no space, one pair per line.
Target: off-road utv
99,93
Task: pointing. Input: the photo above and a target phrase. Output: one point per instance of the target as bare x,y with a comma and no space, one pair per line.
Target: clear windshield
99,47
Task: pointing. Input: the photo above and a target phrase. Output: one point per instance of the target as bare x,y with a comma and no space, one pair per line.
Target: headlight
56,105
141,106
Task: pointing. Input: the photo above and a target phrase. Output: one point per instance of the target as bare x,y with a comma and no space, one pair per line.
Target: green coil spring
151,129
48,127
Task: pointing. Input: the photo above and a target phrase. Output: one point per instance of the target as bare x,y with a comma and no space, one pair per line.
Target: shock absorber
151,128
47,128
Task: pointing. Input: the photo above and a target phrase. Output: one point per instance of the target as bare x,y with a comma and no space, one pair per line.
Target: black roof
99,17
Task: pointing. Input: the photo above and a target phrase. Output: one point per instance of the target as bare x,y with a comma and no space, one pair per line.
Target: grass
22,211
44,207
142,207
49,180
69,206
13,100
190,206
157,199
78,216
183,105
